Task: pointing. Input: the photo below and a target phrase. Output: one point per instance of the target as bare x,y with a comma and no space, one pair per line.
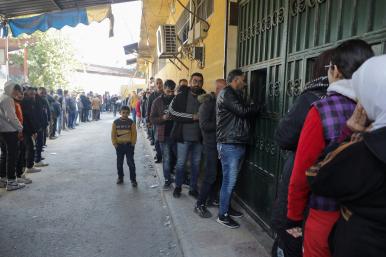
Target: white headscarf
343,87
369,83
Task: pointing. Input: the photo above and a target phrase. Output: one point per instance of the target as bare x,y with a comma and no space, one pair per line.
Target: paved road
74,208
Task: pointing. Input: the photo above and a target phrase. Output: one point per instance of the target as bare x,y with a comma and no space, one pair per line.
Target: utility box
198,53
199,32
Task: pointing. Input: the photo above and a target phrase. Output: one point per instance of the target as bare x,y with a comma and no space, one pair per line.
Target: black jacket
289,128
287,137
144,106
233,117
207,118
56,109
150,101
86,102
177,110
356,178
31,122
43,111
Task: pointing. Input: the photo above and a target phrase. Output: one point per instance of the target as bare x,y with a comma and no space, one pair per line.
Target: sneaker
167,186
212,203
120,180
41,164
194,193
235,214
53,138
13,185
202,211
227,221
134,183
3,182
32,170
24,180
177,192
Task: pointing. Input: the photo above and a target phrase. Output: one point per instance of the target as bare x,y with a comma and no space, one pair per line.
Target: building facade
275,43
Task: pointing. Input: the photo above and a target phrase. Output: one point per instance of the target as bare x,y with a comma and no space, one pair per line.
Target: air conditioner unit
167,41
199,31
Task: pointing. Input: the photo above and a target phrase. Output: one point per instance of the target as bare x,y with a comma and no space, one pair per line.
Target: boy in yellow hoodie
124,137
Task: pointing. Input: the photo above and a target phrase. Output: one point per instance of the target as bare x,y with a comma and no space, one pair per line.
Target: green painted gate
277,42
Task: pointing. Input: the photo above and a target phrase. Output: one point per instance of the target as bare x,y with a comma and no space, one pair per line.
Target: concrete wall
214,49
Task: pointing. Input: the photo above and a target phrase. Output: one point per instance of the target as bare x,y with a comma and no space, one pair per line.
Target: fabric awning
60,19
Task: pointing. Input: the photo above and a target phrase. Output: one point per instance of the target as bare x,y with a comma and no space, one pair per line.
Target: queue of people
324,197
28,117
328,201
182,122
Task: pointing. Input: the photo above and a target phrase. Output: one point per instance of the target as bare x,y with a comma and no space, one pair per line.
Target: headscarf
343,87
369,83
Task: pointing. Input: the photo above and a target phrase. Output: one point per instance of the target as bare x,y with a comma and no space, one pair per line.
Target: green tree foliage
51,60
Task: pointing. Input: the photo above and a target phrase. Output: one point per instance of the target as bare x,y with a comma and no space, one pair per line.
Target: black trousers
85,115
39,146
8,145
211,157
52,129
128,151
21,161
29,151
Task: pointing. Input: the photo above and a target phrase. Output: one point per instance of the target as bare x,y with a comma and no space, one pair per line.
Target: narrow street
74,208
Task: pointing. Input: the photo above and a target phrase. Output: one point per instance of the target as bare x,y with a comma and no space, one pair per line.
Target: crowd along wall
277,43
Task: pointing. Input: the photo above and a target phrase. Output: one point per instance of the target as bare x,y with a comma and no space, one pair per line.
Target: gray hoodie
8,119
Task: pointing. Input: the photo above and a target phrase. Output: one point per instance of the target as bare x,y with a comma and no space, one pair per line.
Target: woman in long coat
355,173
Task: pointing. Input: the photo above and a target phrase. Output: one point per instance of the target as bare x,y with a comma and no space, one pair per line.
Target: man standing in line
164,124
133,105
30,126
207,121
42,116
159,90
10,130
233,134
186,131
62,102
66,100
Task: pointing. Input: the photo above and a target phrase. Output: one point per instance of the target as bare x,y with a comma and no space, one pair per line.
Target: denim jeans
167,154
59,123
183,150
134,115
211,157
128,151
231,156
157,145
71,119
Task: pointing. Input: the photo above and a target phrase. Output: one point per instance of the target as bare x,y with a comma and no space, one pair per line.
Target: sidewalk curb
163,195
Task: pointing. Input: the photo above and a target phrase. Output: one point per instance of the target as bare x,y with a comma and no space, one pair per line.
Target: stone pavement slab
205,237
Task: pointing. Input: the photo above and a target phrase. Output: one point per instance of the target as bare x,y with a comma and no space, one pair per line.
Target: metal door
278,40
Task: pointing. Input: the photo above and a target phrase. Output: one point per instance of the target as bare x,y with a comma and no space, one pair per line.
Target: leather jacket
233,117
